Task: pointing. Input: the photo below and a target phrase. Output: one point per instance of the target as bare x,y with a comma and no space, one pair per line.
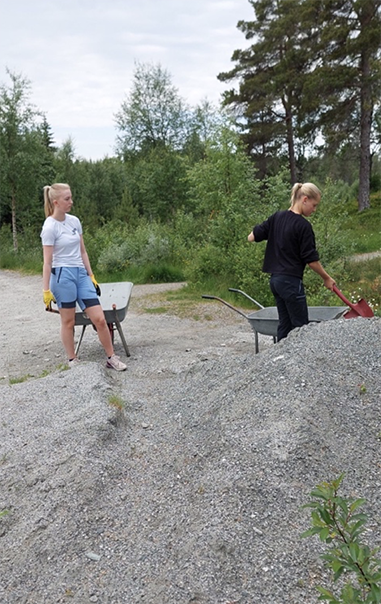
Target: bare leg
97,317
67,330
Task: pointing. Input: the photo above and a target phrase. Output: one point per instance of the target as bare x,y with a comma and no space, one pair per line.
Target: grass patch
28,262
187,302
156,310
21,379
3,459
364,228
364,281
117,402
142,274
43,374
193,293
163,273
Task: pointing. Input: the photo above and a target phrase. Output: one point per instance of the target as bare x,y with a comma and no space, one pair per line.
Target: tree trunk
364,175
290,144
365,122
14,229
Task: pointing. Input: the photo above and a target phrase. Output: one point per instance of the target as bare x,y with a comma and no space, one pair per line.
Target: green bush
328,224
114,258
148,243
28,256
208,262
162,273
338,523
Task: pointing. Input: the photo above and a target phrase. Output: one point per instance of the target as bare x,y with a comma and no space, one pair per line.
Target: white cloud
80,56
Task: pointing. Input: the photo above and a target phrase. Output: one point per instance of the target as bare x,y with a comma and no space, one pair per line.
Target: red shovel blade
360,309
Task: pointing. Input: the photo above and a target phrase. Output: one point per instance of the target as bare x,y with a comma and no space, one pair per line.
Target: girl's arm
86,262
317,267
47,267
85,258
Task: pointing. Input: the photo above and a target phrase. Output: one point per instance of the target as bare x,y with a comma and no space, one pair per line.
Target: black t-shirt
290,243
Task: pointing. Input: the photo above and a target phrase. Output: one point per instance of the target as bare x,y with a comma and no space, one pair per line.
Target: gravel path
181,480
366,256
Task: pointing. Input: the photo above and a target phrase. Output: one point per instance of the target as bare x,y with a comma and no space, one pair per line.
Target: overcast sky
80,56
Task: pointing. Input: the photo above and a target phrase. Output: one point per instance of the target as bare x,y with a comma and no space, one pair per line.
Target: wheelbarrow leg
120,330
256,341
80,339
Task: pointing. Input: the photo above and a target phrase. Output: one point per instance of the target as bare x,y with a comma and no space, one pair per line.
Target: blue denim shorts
71,286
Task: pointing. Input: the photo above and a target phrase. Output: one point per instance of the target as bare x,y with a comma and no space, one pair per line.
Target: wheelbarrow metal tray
265,321
114,299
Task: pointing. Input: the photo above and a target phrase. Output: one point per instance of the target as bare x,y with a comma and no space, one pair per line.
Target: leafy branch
339,524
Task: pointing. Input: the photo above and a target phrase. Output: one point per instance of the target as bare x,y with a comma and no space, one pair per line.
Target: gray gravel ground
192,492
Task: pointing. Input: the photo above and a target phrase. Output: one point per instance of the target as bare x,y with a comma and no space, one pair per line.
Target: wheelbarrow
265,321
114,299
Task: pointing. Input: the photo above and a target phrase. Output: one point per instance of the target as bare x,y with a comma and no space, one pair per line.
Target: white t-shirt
65,239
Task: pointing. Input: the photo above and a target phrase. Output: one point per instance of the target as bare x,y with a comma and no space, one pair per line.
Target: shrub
113,259
339,524
162,273
148,243
208,262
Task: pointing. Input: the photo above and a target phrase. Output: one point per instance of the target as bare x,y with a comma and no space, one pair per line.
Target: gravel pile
181,480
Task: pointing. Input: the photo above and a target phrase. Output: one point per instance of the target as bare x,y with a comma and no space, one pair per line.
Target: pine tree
272,73
22,156
347,78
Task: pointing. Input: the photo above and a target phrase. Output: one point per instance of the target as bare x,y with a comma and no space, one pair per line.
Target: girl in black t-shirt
290,247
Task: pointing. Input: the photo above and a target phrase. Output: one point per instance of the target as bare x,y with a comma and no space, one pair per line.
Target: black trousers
291,303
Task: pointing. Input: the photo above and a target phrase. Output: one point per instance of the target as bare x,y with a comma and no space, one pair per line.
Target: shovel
360,309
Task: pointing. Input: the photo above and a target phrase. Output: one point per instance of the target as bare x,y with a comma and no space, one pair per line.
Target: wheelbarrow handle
226,304
50,309
231,289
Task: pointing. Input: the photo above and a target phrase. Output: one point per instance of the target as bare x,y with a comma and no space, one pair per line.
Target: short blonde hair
308,188
51,193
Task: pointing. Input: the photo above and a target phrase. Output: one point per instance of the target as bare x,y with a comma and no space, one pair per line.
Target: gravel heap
191,492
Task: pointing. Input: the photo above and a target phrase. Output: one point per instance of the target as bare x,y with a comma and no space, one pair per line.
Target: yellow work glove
97,288
48,297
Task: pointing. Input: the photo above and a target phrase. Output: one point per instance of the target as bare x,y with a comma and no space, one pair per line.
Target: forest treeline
186,183
312,73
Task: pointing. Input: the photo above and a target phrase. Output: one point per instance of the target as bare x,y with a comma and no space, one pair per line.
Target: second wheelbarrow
265,321
114,299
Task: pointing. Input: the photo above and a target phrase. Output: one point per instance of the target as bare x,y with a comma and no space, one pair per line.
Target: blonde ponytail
51,192
308,189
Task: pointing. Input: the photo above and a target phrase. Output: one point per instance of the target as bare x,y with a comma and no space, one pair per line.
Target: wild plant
339,523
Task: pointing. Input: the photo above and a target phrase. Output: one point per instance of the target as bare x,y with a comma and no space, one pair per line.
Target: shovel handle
342,297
